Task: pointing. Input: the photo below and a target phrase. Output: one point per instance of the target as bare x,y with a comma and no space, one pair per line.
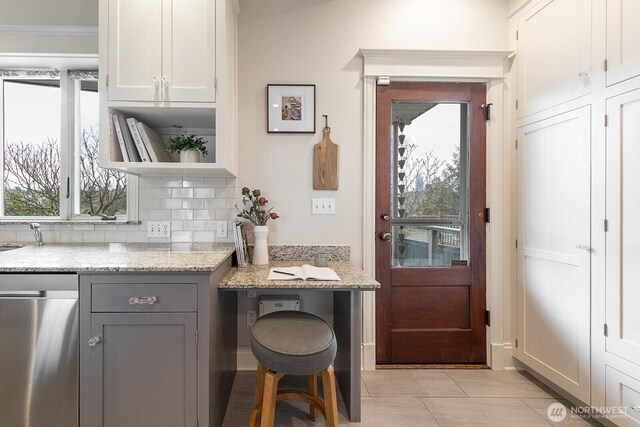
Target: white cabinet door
554,54
623,237
189,55
623,36
553,249
135,50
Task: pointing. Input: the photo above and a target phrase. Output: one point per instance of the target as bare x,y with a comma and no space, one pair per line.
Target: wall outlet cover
159,229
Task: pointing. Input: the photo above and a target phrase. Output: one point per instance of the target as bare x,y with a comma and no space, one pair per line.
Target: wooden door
143,371
430,201
189,54
623,237
554,255
135,50
623,33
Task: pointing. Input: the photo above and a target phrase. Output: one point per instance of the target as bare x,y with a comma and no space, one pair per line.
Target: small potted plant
189,147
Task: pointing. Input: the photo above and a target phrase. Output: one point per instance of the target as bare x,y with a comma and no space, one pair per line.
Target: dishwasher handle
39,294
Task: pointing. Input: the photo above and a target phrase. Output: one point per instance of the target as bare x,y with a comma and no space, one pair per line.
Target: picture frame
291,108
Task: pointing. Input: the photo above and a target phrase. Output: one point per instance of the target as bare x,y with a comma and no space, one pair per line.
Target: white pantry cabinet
554,54
554,161
623,35
162,50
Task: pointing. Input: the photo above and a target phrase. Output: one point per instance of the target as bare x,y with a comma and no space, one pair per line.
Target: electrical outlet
251,317
222,229
159,229
323,206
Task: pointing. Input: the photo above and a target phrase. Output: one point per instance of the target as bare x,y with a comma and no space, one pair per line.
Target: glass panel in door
429,184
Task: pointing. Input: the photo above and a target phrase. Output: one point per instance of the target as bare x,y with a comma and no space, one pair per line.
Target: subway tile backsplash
194,206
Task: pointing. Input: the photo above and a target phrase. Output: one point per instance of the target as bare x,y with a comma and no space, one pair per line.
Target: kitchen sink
4,248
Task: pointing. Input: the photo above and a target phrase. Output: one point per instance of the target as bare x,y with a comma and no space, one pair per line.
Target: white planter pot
260,248
190,156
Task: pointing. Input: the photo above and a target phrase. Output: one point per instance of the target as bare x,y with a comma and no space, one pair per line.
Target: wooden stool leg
313,391
330,396
269,398
257,398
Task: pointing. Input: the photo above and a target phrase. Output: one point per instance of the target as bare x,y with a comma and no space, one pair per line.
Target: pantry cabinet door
623,34
554,158
623,236
135,50
189,55
554,54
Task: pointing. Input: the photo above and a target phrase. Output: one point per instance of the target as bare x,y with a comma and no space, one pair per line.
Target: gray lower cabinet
156,349
143,369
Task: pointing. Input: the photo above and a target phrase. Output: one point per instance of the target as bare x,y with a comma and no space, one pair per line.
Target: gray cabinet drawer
144,297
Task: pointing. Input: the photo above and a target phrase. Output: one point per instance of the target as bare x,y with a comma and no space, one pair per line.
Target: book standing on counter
306,272
240,241
153,143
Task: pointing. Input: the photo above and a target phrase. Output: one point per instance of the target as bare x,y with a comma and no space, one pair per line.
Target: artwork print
292,108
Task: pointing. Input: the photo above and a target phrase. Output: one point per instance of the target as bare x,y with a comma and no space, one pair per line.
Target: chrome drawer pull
95,341
142,300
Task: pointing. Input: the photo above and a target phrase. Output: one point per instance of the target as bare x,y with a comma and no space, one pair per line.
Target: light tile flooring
445,398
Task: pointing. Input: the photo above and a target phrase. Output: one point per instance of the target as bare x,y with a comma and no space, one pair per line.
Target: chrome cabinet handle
165,88
142,300
95,341
584,247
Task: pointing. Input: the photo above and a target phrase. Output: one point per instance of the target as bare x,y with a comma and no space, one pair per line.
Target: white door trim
464,66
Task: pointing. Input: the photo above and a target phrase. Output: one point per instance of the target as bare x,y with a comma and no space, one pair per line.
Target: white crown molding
437,64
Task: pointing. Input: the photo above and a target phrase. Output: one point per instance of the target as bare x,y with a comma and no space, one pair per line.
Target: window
49,148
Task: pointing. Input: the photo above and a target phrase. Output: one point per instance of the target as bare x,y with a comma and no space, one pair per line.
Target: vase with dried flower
254,209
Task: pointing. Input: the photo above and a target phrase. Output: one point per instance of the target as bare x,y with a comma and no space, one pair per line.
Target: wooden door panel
436,307
435,276
427,309
444,346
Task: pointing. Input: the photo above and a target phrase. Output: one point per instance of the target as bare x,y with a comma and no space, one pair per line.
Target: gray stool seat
293,342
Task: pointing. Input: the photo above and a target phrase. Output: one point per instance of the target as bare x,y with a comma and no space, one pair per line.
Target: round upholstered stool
293,343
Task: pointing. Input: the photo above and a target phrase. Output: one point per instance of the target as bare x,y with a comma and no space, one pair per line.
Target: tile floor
445,398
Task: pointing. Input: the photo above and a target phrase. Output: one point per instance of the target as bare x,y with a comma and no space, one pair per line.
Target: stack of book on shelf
240,239
138,142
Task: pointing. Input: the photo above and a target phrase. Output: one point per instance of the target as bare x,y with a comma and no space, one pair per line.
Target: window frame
70,117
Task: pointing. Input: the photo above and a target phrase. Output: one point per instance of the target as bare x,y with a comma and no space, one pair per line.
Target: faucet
37,234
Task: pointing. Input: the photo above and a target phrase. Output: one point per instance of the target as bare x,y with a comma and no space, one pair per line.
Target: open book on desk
306,272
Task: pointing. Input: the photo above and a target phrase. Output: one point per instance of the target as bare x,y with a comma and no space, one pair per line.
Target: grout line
429,411
458,385
537,413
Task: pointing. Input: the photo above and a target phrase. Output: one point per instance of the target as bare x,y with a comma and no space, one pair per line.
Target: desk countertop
255,277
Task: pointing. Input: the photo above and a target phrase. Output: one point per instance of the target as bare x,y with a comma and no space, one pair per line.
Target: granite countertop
103,257
255,277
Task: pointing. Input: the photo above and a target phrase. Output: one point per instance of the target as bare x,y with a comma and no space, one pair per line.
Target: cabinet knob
95,341
583,247
143,300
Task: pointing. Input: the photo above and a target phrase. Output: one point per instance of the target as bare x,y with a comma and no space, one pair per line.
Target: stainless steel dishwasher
38,350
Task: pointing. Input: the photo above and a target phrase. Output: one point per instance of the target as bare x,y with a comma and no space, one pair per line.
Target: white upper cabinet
162,50
623,34
554,54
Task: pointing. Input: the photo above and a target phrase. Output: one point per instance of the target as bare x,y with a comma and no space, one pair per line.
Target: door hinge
487,317
196,337
516,342
516,104
606,225
606,330
606,120
606,64
516,144
107,80
196,422
517,34
68,187
487,110
516,243
487,215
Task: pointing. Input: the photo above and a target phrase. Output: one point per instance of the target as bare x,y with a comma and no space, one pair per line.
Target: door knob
384,217
385,235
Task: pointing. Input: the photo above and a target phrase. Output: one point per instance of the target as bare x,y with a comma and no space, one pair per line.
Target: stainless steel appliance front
38,350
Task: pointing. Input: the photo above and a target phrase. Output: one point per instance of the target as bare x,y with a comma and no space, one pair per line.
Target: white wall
304,41
49,12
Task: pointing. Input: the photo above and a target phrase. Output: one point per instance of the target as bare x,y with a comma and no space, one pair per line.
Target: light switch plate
323,206
222,229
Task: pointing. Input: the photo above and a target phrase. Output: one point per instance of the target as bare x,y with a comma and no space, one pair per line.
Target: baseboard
246,359
368,356
502,357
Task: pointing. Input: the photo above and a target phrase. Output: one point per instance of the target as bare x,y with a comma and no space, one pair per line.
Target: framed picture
291,108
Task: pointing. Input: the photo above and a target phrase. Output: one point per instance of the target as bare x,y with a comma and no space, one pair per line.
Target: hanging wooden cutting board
325,163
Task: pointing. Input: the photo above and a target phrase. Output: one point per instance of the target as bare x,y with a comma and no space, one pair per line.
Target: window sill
67,222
